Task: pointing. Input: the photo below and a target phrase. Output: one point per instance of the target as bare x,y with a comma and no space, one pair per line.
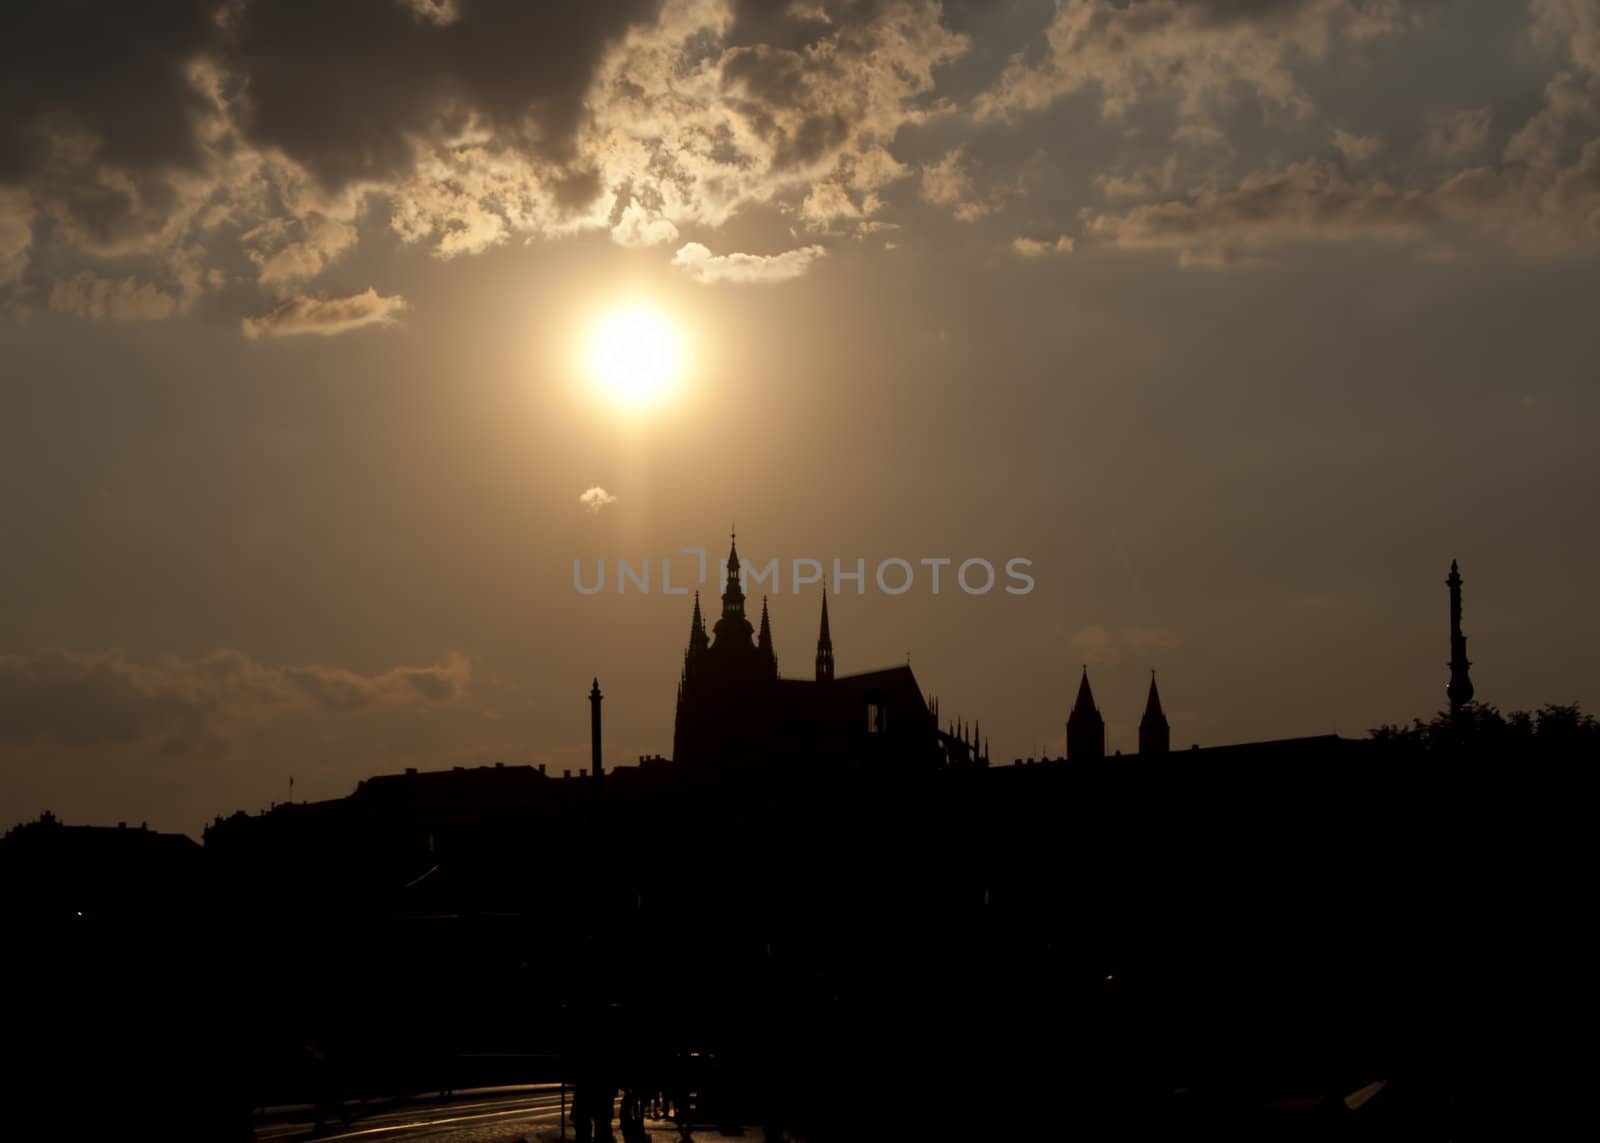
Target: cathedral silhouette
735,709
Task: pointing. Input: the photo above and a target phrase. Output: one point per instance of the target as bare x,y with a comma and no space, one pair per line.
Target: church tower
1154,735
825,647
729,677
1086,730
1459,692
733,631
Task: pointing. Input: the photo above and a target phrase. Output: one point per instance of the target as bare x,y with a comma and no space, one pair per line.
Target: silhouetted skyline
1233,319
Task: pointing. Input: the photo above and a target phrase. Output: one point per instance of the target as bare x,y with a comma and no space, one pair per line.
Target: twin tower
1086,730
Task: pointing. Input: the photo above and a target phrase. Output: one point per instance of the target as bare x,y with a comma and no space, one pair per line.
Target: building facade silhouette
733,707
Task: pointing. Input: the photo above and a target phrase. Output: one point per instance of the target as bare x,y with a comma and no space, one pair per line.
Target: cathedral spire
1154,735
697,629
1459,692
1086,730
733,590
764,639
824,646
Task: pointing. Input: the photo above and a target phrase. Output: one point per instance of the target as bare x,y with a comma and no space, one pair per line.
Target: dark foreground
1119,951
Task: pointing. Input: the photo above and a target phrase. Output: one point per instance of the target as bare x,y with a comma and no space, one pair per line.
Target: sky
1237,319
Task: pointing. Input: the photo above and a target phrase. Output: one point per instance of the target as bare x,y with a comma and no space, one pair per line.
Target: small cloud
90,296
809,12
708,268
826,203
1459,134
872,226
1036,248
595,499
441,13
290,252
1096,645
949,183
325,316
1356,148
636,227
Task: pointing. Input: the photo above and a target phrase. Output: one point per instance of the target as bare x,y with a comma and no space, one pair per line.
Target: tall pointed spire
824,646
1086,730
1459,692
697,629
1154,735
733,590
733,631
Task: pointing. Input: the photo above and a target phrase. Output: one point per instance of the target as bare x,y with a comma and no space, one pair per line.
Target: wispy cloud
325,316
595,499
1356,149
183,704
708,268
1097,645
1038,248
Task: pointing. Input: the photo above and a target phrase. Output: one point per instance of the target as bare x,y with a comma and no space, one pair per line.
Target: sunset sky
1238,318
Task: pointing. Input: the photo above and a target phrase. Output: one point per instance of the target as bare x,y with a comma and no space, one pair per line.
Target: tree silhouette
1553,731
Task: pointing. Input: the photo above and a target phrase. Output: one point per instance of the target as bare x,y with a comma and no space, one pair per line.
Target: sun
634,355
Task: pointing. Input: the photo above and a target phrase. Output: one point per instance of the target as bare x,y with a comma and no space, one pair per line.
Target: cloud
949,183
1542,139
1356,149
1306,201
1459,134
157,147
104,699
595,499
1573,24
708,268
288,251
91,296
1539,209
16,236
442,13
243,128
325,316
1201,52
637,228
1035,248
1097,645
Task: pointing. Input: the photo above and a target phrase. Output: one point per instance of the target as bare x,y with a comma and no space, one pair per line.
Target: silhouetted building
1086,730
734,708
1459,691
1154,735
55,869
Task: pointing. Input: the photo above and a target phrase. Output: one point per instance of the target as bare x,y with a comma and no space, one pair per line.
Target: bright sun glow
635,356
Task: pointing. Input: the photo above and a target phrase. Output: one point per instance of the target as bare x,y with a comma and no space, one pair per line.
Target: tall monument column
594,726
1459,691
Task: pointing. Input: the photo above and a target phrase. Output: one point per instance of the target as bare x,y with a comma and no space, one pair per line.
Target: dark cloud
88,701
346,88
100,700
206,137
112,70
